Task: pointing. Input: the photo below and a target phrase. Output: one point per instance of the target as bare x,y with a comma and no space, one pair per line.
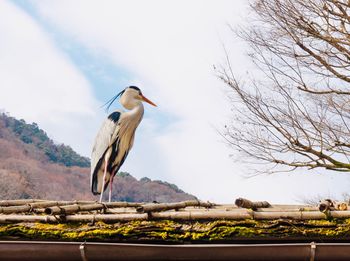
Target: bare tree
297,115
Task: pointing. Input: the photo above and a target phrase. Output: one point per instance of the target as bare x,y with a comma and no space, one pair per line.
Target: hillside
33,166
32,134
130,189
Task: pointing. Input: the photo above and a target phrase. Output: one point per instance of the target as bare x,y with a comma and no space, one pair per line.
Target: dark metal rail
89,251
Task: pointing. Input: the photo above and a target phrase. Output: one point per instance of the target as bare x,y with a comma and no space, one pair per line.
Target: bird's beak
148,101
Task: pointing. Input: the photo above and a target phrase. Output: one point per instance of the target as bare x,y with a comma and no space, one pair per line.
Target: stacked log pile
15,211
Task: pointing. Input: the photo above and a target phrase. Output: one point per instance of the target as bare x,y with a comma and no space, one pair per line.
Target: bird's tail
93,185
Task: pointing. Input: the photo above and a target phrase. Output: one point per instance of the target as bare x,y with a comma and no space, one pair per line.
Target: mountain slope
28,169
32,134
128,188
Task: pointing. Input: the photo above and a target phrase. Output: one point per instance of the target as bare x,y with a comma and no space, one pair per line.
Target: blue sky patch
105,77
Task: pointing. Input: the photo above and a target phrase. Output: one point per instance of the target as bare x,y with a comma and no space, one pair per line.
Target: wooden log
284,206
301,215
70,209
15,209
180,216
312,215
5,219
106,217
192,216
340,214
122,204
341,206
64,210
46,204
168,206
18,202
119,210
21,202
37,203
326,205
78,202
82,202
39,210
31,207
272,209
23,208
245,203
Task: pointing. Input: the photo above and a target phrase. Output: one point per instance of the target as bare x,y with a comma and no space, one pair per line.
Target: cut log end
48,211
329,205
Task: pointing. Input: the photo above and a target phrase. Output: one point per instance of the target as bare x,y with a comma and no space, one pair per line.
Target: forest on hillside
32,134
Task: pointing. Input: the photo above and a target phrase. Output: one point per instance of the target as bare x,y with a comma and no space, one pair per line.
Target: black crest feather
135,88
110,102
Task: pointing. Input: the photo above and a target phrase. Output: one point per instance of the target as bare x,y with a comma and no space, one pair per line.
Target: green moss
178,231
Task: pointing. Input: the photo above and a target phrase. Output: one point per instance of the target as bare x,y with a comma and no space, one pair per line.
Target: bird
115,139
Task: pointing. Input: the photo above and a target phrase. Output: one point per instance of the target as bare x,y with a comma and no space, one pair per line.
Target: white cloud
170,46
39,83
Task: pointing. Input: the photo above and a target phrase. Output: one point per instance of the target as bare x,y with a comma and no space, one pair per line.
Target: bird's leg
110,188
104,179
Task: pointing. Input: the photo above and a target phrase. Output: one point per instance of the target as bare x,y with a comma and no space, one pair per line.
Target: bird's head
130,97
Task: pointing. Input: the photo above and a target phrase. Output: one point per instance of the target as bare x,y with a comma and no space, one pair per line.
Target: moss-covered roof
183,222
182,232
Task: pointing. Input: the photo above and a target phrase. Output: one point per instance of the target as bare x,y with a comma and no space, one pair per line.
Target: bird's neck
136,112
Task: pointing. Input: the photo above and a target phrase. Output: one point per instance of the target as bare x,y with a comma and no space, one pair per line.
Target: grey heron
115,139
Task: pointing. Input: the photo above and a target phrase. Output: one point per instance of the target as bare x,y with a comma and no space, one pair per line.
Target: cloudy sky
61,60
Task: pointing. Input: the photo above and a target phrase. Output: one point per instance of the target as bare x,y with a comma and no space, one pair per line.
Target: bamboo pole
191,216
301,215
66,207
39,210
31,207
180,216
235,209
122,204
119,211
107,217
273,209
15,218
168,206
46,204
70,209
18,202
340,214
5,219
59,210
15,209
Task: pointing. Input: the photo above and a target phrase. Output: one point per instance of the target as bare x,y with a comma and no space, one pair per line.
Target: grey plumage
103,141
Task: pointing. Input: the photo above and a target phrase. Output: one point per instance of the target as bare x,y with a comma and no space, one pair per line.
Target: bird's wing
104,138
